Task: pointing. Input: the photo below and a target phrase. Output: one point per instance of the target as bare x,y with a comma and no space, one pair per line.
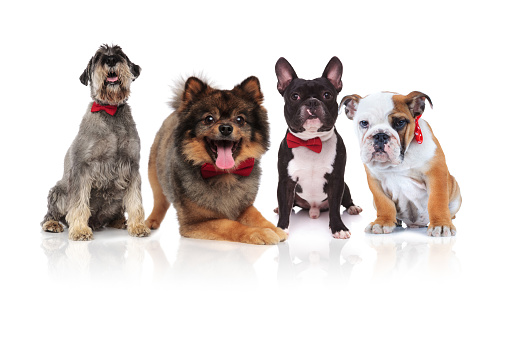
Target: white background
404,285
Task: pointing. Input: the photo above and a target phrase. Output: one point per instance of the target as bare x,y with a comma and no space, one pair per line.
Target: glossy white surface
400,286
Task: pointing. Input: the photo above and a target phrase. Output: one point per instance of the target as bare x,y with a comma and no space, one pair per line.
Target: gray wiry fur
101,179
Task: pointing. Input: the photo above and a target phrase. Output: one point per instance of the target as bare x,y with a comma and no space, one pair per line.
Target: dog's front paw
261,236
354,210
80,233
380,228
52,227
342,234
138,230
444,231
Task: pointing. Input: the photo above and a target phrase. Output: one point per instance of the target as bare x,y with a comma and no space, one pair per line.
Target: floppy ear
350,103
85,77
333,72
415,102
135,70
252,88
285,74
193,88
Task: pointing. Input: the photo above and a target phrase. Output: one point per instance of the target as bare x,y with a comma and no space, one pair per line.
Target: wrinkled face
310,105
384,127
110,73
223,127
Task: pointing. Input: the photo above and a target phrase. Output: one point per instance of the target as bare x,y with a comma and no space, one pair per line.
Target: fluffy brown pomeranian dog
205,160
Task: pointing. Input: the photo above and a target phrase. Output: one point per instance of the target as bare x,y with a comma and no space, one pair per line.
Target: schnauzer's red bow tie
314,144
418,132
111,109
244,169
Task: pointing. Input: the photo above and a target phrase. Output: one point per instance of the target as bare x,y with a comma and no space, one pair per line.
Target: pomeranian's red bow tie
111,109
314,144
418,132
243,169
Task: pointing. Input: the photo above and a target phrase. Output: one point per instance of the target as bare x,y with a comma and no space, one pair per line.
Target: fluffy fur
101,178
206,119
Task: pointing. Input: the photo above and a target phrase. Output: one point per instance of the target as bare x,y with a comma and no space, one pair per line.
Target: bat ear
285,74
333,72
350,104
415,102
85,76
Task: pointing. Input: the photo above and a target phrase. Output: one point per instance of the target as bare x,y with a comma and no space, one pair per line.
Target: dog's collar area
418,132
110,109
244,168
314,144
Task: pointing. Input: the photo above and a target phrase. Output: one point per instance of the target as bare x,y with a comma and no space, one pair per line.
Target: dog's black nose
313,103
111,61
225,129
380,139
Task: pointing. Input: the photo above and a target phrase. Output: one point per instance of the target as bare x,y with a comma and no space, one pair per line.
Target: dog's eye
240,120
364,124
400,124
208,120
327,95
294,96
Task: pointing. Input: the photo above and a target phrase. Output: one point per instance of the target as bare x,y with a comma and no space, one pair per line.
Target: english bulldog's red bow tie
314,144
243,169
418,132
111,109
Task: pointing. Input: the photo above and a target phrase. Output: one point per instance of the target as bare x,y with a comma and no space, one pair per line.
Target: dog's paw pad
342,234
81,234
262,236
282,234
444,231
354,210
152,223
140,230
52,227
379,229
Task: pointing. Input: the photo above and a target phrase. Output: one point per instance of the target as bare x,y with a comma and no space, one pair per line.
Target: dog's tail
178,88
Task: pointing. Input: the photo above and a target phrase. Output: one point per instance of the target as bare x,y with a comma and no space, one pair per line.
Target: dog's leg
228,230
386,209
336,187
348,204
285,195
56,209
160,202
79,211
253,218
440,187
134,207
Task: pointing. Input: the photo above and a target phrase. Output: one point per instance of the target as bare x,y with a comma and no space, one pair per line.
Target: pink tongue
112,79
224,155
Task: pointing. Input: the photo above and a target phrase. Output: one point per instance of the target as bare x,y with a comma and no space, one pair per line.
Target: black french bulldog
312,156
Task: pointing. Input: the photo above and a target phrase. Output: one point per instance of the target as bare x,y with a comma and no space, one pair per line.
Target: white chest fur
308,168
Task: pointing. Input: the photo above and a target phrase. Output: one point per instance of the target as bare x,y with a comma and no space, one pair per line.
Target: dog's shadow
111,257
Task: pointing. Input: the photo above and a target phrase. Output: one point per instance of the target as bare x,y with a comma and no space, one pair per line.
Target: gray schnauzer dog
101,179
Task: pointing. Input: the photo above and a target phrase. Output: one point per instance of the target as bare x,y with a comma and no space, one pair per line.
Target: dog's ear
251,88
135,70
415,102
85,77
350,104
285,74
333,72
194,87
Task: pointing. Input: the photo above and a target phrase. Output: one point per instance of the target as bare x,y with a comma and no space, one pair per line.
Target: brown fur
217,208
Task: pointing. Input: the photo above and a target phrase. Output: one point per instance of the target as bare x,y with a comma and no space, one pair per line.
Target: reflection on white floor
310,257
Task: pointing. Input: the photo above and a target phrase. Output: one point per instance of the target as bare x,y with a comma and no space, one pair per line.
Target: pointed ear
285,74
85,76
251,87
193,88
350,104
333,72
415,102
135,70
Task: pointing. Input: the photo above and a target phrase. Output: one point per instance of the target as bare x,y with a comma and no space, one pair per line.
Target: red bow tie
418,132
244,169
314,144
111,109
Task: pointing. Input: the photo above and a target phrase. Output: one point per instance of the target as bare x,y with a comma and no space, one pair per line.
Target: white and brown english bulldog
404,163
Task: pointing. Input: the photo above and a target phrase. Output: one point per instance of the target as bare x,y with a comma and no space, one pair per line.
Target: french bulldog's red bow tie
111,109
314,144
243,169
418,132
